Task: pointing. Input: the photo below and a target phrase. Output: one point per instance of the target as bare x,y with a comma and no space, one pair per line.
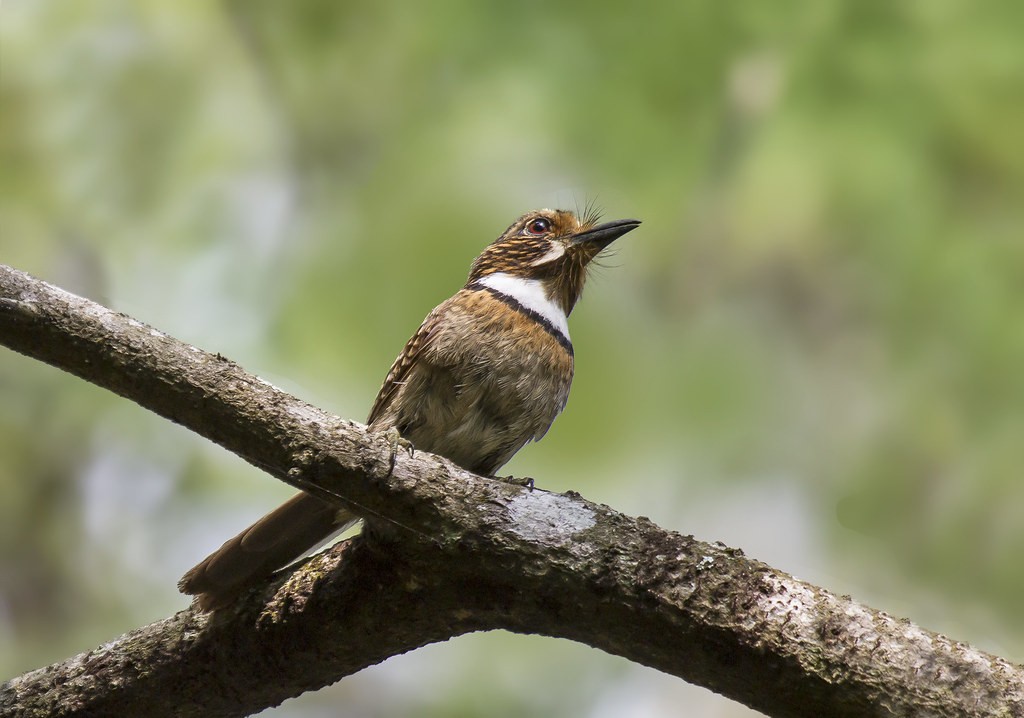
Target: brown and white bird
487,371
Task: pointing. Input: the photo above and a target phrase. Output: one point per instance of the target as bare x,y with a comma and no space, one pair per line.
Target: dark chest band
514,303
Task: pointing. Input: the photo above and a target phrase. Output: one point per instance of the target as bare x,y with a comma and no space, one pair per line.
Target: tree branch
449,552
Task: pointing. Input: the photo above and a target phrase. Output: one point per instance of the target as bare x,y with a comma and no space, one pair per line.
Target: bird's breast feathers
485,378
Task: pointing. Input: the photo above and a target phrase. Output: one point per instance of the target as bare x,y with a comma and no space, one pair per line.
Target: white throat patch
530,293
557,250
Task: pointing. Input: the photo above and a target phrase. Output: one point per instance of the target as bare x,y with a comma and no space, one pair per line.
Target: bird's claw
524,481
397,443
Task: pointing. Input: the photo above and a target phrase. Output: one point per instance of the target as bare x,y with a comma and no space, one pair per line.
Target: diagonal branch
449,552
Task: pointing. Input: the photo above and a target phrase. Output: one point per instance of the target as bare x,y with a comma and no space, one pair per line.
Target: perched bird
487,371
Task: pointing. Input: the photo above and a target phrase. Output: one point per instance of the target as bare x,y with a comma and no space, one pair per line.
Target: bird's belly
481,412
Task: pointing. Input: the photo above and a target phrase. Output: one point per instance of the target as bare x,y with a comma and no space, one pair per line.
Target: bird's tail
286,533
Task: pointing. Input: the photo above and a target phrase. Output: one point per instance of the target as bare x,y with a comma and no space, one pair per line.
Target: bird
487,372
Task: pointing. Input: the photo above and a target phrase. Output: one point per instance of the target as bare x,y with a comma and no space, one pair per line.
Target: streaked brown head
553,246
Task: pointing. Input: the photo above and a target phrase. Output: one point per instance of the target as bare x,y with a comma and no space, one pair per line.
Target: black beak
604,234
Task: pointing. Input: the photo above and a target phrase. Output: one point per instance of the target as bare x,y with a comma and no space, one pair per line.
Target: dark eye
538,226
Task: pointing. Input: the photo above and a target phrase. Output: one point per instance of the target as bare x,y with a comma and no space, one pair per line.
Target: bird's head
553,246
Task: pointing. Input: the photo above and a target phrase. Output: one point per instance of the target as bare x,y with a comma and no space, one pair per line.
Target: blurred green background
812,349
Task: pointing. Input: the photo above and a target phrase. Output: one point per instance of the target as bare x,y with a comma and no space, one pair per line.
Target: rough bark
450,552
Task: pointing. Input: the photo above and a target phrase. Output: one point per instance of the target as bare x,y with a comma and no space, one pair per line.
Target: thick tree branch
450,552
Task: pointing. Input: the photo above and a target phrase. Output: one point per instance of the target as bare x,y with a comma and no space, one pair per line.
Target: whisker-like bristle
591,213
601,261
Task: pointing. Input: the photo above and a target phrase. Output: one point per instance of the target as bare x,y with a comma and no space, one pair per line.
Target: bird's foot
396,443
524,481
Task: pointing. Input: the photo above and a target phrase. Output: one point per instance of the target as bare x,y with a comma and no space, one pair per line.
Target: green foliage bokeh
812,348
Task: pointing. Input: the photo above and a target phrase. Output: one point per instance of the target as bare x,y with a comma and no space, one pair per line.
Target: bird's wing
413,350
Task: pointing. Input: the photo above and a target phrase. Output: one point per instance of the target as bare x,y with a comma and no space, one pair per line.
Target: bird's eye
538,226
